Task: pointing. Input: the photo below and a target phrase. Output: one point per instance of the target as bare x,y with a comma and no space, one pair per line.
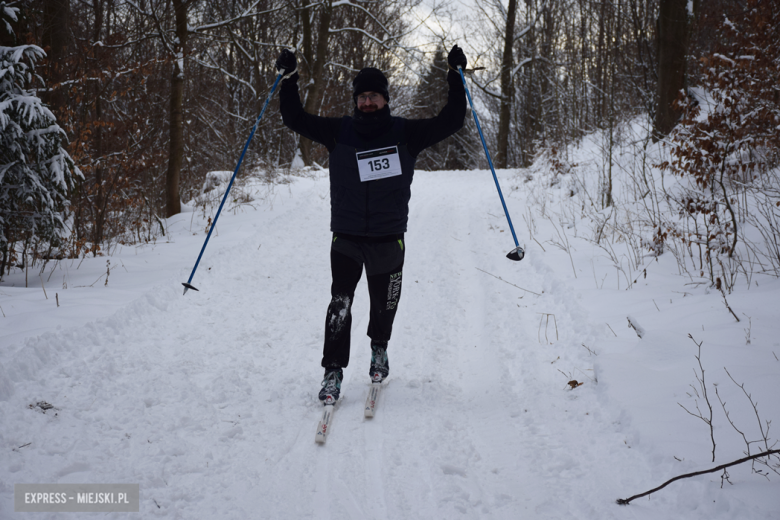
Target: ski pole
188,284
517,253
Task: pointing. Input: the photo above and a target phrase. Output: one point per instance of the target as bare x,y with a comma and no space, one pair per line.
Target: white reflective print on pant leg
394,290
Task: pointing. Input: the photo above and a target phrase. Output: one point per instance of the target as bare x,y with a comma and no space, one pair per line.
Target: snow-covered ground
208,400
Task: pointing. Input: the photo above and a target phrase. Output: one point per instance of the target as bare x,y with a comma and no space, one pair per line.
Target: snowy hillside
208,400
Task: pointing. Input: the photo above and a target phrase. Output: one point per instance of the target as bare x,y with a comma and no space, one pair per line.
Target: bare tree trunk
306,29
507,88
672,47
528,94
600,102
4,254
56,20
176,150
99,201
316,72
56,40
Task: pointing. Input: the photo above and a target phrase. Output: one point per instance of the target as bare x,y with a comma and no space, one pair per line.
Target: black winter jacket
377,207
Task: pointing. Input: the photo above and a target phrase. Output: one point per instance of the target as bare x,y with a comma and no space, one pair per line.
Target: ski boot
331,385
380,366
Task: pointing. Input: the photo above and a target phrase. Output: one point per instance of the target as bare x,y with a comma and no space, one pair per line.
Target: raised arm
323,130
422,133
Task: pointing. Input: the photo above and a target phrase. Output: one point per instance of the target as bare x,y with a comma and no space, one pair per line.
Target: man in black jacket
371,163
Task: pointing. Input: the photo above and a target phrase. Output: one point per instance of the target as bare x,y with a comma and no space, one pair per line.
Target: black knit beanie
370,80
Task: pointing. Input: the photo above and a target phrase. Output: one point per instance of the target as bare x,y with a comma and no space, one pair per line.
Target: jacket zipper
367,221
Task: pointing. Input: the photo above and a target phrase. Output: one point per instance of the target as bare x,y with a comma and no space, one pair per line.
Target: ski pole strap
487,154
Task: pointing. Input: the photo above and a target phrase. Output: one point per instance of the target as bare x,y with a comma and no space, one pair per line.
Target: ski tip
516,254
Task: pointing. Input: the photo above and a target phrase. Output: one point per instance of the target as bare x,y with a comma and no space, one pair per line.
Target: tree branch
625,501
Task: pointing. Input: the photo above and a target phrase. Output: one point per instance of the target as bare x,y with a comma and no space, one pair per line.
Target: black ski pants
383,258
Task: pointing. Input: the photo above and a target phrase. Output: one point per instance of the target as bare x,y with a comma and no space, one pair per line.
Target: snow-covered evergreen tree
36,173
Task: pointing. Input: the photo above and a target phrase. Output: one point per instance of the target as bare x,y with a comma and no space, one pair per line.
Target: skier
371,162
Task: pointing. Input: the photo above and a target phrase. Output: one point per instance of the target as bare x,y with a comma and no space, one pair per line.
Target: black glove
456,58
287,61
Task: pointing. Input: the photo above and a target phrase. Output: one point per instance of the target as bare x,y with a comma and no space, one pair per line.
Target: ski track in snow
209,401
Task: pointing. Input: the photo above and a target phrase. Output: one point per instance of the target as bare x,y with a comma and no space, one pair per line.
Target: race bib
379,164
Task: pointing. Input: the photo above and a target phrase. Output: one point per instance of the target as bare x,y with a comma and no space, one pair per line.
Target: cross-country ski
372,399
323,427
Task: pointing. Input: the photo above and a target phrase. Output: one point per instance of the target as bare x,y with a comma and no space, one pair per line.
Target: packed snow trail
209,401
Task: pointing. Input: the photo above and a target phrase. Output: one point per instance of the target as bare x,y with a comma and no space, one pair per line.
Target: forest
114,111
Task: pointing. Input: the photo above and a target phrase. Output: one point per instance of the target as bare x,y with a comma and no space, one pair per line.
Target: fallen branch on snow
625,501
632,323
